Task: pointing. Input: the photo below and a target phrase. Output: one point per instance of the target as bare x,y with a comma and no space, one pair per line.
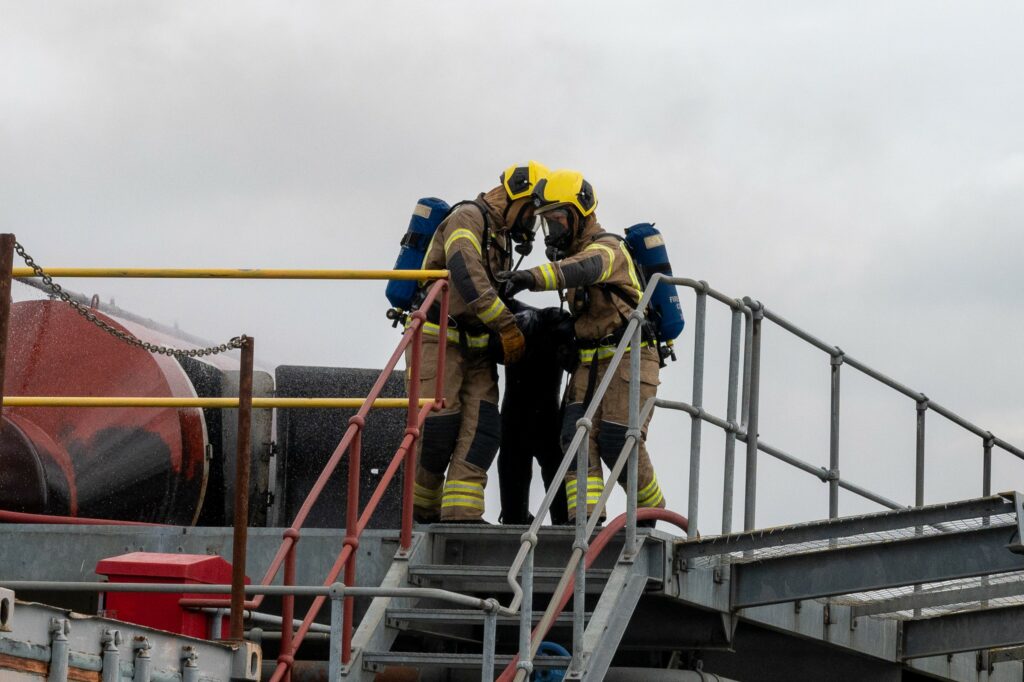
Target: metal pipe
352,539
526,610
560,596
229,403
632,471
334,654
878,376
986,469
411,422
818,472
6,266
750,493
490,633
243,457
693,502
836,363
748,343
730,415
580,545
797,331
229,273
922,409
288,609
24,517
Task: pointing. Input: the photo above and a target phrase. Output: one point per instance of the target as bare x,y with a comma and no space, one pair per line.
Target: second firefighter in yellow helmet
601,285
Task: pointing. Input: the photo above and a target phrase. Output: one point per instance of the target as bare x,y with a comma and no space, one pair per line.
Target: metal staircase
446,643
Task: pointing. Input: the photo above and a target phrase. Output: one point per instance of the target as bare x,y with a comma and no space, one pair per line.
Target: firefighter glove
516,281
513,344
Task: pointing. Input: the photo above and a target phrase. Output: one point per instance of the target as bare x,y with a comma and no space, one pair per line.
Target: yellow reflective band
652,503
632,269
456,501
646,500
418,501
611,259
492,312
427,493
477,342
648,488
462,233
592,483
603,352
464,485
547,271
591,500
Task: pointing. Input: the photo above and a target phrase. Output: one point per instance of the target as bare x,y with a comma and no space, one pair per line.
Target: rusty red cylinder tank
136,464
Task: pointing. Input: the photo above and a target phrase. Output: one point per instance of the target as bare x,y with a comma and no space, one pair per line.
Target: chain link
58,291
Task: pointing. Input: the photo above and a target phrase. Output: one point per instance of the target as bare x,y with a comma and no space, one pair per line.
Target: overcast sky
858,167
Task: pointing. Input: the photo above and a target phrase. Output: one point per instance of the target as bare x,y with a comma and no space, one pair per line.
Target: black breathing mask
557,235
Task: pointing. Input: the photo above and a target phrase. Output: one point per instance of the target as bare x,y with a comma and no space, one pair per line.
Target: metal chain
128,338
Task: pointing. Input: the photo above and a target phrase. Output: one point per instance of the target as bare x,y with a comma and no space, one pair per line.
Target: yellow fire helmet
519,181
565,187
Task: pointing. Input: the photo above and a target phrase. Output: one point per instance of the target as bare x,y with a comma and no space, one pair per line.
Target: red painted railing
356,522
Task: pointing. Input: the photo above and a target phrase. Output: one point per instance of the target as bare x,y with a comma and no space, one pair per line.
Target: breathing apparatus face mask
557,227
524,232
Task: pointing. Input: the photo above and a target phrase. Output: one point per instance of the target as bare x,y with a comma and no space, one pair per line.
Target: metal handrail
351,442
752,313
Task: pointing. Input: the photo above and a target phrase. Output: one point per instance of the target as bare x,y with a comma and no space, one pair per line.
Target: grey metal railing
744,312
747,317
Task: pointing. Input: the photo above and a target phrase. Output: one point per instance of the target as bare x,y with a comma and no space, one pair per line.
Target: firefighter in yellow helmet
602,288
459,443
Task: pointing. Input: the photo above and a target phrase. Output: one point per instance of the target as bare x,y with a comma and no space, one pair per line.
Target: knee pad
610,439
439,436
487,437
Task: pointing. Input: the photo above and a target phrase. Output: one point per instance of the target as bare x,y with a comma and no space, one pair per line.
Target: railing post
243,457
986,467
442,346
836,362
729,473
753,396
526,609
580,544
334,657
412,420
351,533
6,265
490,633
922,408
632,463
748,344
286,655
693,503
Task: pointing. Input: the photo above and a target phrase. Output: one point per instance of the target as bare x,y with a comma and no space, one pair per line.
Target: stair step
375,661
403,618
495,578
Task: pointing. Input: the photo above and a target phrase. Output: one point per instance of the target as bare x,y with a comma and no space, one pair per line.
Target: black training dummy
531,418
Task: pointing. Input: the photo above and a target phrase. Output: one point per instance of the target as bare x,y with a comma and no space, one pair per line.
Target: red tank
138,464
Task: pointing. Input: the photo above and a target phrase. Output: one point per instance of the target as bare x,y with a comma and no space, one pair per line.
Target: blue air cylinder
647,245
429,213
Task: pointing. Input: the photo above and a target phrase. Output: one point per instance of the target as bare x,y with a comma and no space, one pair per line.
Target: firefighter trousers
608,434
459,443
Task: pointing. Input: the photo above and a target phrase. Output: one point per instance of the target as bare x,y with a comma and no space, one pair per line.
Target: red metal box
159,610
